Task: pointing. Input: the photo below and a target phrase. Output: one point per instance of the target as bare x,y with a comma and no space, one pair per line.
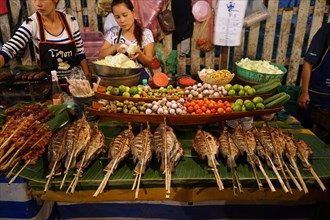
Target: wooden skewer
66,171
168,191
238,182
293,163
277,174
292,176
105,179
135,180
12,170
13,179
270,184
139,180
316,177
261,188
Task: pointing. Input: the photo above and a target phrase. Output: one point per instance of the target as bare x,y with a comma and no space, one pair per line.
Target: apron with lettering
57,56
319,85
145,71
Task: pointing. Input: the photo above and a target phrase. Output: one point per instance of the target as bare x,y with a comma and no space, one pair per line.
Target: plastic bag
166,21
205,34
146,12
255,12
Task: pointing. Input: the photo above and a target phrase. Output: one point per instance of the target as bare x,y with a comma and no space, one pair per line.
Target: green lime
122,89
247,87
251,91
237,108
241,92
249,106
239,101
260,106
114,91
109,88
257,100
126,94
140,87
133,90
246,101
243,108
236,87
228,87
136,96
232,92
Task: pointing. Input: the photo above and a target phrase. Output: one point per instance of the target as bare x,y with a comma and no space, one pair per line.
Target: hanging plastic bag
146,12
205,34
255,12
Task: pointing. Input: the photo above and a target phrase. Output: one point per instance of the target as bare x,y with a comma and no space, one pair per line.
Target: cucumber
278,102
270,82
272,98
268,88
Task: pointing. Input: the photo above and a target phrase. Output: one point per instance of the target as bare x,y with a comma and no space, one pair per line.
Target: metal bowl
103,70
131,80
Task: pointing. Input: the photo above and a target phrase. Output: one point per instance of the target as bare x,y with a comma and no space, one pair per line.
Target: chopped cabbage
118,60
261,66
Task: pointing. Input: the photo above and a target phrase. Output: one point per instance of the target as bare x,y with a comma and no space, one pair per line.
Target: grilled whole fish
56,148
94,147
303,152
141,150
120,148
83,138
206,146
70,141
228,148
266,141
172,150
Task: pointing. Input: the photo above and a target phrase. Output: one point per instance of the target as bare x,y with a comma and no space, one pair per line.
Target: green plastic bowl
253,76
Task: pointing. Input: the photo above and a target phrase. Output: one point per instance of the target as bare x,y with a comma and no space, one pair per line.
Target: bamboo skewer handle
277,175
303,184
292,177
270,184
13,179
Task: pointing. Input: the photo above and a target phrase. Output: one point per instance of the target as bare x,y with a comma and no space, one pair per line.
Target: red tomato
199,111
190,109
220,110
228,109
204,108
196,107
213,110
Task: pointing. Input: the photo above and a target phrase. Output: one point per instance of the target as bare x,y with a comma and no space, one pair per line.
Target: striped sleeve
80,51
18,41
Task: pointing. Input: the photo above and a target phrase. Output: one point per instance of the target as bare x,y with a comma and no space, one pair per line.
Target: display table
193,185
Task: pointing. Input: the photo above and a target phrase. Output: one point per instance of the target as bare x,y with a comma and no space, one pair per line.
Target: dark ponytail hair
138,32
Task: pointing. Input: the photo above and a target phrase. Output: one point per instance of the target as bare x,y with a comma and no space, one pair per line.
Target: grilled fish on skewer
304,151
118,150
278,152
230,151
207,147
280,148
56,152
291,154
246,142
142,154
265,141
168,151
83,138
91,152
69,145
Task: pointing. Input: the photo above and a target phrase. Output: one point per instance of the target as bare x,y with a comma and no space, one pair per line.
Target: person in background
315,78
55,36
128,32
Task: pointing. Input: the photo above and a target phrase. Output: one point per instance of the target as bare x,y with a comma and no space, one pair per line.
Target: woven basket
216,77
257,76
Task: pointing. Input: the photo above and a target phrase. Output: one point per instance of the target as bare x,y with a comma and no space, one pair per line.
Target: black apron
57,56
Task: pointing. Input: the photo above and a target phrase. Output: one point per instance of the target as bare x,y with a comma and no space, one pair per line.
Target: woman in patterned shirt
128,32
55,36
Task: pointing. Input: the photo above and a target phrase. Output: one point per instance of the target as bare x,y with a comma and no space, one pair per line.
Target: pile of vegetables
261,66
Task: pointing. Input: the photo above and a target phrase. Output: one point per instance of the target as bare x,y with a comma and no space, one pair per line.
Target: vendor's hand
121,48
303,100
137,53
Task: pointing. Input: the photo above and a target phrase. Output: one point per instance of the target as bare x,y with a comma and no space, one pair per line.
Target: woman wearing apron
128,32
315,86
55,36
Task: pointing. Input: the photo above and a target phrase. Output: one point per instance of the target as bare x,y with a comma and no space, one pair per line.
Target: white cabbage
261,66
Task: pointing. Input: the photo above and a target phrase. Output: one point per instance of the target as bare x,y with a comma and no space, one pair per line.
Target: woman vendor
129,31
55,36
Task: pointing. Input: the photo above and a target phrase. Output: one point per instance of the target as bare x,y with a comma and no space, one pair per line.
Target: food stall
194,188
